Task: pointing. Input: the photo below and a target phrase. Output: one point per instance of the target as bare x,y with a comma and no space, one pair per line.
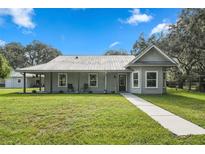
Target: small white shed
15,80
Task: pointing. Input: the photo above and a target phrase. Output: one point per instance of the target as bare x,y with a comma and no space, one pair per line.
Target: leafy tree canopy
185,42
116,52
32,54
4,67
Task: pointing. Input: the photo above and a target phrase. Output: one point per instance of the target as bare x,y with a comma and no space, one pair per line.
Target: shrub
113,92
90,92
34,91
61,91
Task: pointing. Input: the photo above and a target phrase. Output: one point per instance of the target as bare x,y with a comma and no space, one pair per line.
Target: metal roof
83,63
14,74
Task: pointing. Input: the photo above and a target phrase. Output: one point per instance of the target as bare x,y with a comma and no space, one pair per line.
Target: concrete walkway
172,122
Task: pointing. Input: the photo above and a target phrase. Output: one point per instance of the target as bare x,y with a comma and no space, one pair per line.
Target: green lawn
189,105
80,119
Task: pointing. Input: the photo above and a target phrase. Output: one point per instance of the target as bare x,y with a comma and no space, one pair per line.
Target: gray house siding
135,90
112,84
82,78
142,79
112,81
159,88
153,55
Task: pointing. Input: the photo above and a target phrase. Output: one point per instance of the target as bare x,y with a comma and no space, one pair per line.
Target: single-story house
143,74
15,80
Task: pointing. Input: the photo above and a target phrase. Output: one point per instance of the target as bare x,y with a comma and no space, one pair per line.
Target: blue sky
83,31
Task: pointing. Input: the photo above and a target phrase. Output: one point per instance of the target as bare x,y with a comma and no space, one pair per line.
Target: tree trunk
190,83
189,77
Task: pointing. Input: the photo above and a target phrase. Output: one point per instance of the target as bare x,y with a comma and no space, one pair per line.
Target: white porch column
24,82
105,90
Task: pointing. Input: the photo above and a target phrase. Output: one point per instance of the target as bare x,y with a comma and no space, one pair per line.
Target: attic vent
76,57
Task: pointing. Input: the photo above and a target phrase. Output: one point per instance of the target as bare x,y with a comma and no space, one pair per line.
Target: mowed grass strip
79,119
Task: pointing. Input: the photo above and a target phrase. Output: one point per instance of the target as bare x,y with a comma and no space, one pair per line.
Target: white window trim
65,80
137,79
96,80
146,79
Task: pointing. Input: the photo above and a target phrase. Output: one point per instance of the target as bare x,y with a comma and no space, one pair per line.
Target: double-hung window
93,79
135,79
151,79
62,80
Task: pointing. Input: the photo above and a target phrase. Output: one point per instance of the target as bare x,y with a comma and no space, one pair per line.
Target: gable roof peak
146,50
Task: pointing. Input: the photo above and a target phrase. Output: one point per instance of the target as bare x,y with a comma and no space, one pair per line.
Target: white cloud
114,44
21,17
2,43
162,27
136,17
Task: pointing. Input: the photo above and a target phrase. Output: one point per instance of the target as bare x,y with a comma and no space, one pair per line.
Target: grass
79,119
187,104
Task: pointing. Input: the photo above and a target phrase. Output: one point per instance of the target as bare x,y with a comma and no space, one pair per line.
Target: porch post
51,81
40,82
67,83
105,90
79,82
24,82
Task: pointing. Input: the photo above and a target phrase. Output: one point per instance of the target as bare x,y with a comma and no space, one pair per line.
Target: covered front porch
83,82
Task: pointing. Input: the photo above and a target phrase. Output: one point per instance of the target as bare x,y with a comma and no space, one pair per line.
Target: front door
122,82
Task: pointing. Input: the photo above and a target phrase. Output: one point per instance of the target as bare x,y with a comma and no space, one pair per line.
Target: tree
33,54
4,67
193,21
186,42
155,39
39,53
139,45
15,54
116,52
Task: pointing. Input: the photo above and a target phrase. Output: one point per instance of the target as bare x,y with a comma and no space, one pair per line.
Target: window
135,80
164,79
19,81
151,79
93,80
62,80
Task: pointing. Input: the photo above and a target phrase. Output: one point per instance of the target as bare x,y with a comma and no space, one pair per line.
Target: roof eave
170,65
47,71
